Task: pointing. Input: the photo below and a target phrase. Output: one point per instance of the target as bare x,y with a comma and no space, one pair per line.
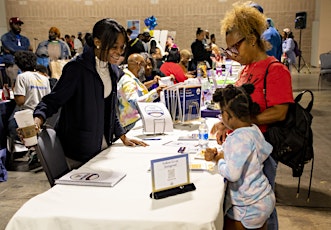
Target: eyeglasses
233,50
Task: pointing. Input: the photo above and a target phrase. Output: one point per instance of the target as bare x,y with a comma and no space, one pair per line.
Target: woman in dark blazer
87,96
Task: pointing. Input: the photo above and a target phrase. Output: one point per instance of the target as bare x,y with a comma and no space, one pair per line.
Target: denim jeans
269,169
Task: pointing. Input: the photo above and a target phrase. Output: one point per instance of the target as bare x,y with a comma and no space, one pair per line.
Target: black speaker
300,20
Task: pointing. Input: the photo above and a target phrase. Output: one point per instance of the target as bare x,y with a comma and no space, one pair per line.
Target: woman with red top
243,27
171,67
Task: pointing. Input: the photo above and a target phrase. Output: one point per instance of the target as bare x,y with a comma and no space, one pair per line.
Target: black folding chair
325,59
51,155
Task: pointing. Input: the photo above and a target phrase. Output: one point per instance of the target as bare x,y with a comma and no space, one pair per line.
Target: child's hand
220,131
210,154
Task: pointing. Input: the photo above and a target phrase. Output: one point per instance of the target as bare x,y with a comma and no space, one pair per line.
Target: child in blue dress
249,198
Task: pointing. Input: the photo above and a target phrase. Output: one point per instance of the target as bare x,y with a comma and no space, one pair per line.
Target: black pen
151,139
181,149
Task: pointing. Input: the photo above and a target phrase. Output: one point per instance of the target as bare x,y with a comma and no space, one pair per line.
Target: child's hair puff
238,100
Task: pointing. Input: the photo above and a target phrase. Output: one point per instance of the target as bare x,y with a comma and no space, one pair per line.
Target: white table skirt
127,205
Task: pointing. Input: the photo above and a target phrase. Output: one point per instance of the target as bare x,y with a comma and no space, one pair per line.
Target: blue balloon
151,27
151,22
146,21
152,18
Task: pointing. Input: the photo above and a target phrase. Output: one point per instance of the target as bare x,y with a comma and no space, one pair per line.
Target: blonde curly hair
248,22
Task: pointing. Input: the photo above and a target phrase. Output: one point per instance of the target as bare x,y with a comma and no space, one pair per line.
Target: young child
249,198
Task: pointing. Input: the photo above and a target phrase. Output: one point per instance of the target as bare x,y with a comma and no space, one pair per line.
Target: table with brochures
128,205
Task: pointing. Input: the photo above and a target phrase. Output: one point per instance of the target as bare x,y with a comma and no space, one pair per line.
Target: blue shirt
42,49
245,150
273,37
13,43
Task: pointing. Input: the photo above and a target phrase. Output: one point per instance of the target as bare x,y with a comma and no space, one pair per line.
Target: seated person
171,67
185,57
130,91
152,73
158,57
29,88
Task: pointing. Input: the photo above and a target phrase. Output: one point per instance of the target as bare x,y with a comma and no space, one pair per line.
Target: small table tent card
170,176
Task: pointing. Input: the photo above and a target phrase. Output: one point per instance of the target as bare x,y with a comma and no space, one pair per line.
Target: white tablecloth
127,205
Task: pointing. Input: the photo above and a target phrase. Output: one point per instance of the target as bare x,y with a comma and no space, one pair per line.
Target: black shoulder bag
292,139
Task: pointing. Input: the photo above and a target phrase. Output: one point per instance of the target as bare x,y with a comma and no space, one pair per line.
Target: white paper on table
166,81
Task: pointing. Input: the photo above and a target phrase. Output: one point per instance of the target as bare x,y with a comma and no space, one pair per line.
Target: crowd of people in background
203,49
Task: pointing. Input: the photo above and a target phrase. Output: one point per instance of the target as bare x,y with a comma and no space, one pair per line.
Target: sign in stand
156,117
170,176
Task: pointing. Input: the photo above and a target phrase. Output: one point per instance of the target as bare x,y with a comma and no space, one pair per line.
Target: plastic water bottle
207,91
203,135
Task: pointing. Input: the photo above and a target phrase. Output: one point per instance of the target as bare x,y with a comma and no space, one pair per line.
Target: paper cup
25,122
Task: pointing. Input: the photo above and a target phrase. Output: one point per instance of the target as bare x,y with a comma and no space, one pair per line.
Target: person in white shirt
78,45
30,86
